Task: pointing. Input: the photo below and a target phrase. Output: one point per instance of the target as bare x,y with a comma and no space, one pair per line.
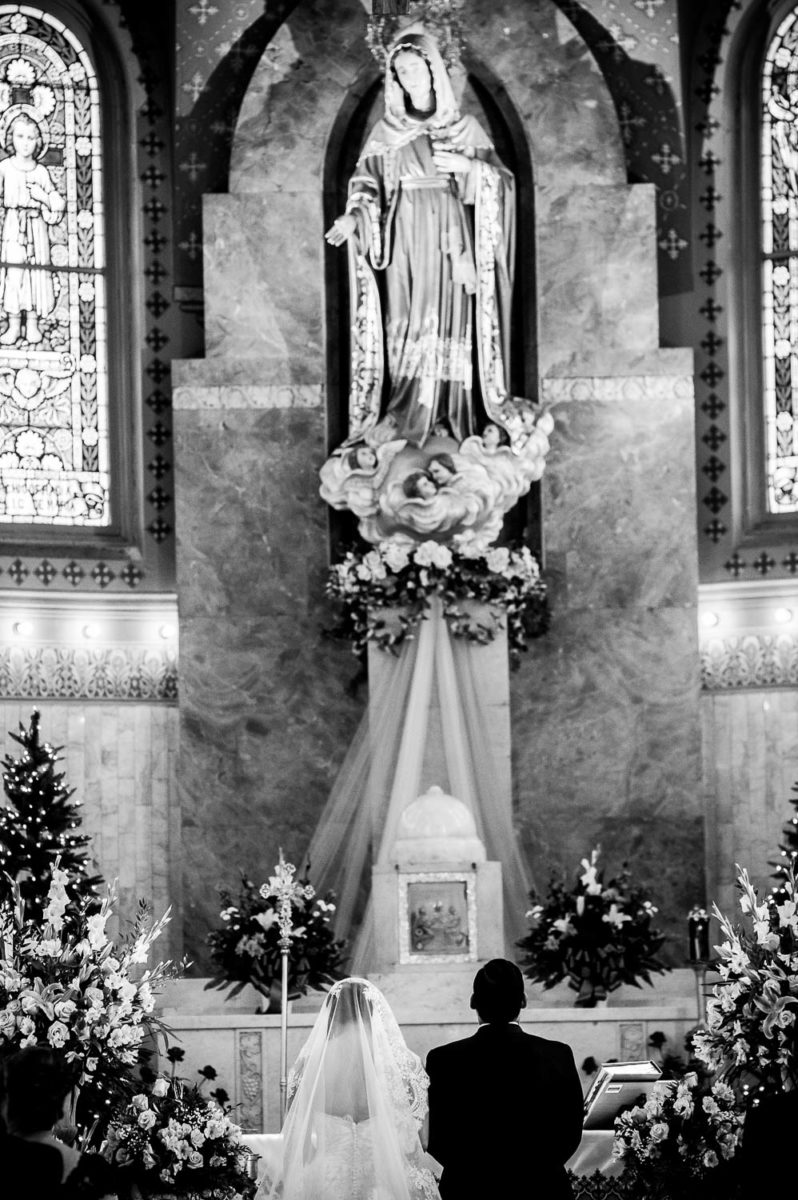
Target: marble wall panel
265,716
597,274
263,267
251,527
120,759
606,749
301,81
750,763
619,496
266,720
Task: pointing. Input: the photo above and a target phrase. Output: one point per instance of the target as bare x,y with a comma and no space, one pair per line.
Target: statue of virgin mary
430,227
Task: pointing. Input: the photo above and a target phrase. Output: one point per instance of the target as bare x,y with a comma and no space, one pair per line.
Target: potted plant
66,984
679,1144
596,935
245,949
751,1013
171,1139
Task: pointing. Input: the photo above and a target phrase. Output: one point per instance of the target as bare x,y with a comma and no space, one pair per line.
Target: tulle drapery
432,691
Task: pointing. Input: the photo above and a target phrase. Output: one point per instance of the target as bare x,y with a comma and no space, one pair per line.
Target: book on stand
618,1085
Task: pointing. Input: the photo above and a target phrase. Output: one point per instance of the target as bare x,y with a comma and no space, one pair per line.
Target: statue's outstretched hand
341,230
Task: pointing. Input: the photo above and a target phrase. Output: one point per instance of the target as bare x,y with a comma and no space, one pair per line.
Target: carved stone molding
250,1075
617,387
752,660
62,647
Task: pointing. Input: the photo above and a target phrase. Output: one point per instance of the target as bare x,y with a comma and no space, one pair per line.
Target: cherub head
441,428
493,436
442,469
419,485
361,458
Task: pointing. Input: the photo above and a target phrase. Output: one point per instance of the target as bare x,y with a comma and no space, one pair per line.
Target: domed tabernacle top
437,828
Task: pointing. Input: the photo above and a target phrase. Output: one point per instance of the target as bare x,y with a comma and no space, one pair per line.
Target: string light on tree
40,823
788,850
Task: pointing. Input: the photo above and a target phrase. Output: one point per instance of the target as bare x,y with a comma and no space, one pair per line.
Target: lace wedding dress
357,1100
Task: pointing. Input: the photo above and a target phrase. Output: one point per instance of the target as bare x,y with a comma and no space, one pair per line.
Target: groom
505,1107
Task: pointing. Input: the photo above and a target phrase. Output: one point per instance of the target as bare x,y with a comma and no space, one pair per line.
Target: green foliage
504,581
246,947
41,825
596,935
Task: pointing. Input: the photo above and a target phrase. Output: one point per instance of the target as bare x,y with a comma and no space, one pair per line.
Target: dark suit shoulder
449,1050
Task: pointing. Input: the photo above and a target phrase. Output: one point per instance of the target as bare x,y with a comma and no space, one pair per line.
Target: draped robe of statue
424,349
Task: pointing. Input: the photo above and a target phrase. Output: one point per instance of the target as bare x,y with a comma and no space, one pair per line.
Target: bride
357,1098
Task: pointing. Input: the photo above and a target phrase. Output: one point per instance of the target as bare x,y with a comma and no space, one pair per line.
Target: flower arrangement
751,1013
597,935
677,1143
174,1140
246,948
63,982
507,581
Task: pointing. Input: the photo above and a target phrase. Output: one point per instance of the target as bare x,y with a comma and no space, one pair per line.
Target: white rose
140,1101
375,564
160,1087
498,559
57,1034
146,1119
64,1009
395,556
430,554
194,1159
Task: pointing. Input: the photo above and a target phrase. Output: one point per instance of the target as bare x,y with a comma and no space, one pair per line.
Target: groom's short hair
499,993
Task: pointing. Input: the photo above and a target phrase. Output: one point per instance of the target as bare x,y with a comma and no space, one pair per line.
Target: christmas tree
40,825
788,849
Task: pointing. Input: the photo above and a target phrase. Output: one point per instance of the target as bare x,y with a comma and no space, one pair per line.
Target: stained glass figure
54,437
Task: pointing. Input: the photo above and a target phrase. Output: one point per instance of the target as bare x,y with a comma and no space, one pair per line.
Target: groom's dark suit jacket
505,1114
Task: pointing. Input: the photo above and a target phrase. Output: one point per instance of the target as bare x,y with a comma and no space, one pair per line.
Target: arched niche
483,96
581,229
536,75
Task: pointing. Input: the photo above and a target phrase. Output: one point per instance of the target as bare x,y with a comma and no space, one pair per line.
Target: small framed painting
437,916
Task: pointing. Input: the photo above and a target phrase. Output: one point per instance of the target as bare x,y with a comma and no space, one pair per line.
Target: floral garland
751,1013
674,1144
505,580
63,982
246,949
173,1140
596,935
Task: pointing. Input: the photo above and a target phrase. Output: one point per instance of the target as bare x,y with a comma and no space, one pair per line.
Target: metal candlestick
283,888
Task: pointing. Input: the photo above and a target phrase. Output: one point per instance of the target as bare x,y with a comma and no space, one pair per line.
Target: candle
698,935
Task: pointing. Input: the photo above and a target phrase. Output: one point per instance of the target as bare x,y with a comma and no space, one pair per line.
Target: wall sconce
22,628
167,632
782,616
91,632
709,619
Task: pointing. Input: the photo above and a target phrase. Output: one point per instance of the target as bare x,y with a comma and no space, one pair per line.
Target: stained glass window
54,441
780,264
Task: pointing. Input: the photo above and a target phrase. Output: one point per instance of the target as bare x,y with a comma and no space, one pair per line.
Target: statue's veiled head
417,82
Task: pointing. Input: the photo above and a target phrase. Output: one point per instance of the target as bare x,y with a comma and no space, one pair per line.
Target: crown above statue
441,18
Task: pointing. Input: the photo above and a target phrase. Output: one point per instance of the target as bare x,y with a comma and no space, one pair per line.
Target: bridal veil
357,1097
